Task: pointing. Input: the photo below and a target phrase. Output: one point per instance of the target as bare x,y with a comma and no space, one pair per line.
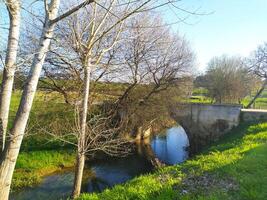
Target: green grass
260,103
40,154
200,95
32,166
200,99
200,91
233,168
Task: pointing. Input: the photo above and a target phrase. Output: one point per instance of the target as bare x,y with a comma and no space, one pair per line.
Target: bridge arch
205,123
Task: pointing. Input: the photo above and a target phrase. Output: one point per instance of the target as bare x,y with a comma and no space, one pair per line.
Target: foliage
200,91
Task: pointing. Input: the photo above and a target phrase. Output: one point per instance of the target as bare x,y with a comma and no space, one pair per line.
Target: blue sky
234,27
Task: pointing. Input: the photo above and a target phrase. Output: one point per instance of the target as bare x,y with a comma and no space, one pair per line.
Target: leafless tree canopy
146,58
257,65
228,79
258,61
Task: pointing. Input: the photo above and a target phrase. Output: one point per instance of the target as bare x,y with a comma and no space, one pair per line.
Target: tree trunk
258,94
13,7
80,160
81,139
9,157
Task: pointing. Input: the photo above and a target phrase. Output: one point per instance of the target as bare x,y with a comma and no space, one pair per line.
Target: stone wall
210,114
250,115
204,123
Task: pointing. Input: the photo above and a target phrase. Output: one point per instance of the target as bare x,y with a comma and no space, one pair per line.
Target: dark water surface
168,147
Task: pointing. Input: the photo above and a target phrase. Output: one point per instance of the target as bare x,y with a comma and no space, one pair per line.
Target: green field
201,96
40,154
234,168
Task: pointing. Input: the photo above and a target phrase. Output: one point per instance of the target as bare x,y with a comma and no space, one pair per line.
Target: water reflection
53,187
170,147
115,171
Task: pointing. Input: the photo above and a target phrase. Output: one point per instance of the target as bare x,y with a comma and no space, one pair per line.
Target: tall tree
151,63
10,154
92,35
90,41
13,7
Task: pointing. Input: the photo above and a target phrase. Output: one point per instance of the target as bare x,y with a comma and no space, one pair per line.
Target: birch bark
81,140
13,7
9,157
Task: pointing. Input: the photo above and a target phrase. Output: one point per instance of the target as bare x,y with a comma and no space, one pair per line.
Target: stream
169,147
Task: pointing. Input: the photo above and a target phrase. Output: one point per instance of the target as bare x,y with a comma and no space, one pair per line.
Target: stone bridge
205,123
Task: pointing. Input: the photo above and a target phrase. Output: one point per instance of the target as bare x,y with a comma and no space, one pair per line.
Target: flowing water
169,147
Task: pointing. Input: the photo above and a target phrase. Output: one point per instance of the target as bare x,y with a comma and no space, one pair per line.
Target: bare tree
258,65
89,41
146,53
227,79
153,62
10,154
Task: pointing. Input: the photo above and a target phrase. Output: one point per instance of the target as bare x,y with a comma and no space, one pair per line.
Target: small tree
97,137
227,79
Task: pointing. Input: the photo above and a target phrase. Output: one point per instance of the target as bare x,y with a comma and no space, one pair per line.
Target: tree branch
71,11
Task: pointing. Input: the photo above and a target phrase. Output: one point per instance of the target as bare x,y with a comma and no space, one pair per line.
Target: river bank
168,147
233,168
32,166
41,157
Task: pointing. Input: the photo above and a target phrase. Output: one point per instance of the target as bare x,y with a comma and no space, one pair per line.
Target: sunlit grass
32,166
41,154
234,168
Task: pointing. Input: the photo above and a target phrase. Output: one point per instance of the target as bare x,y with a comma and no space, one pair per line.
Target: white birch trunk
13,7
11,152
81,143
80,161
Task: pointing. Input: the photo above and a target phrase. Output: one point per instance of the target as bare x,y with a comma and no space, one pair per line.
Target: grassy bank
41,155
32,166
234,168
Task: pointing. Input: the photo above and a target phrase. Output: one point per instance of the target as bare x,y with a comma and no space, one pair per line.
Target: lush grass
32,166
40,154
48,111
260,103
200,95
200,99
200,91
234,168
